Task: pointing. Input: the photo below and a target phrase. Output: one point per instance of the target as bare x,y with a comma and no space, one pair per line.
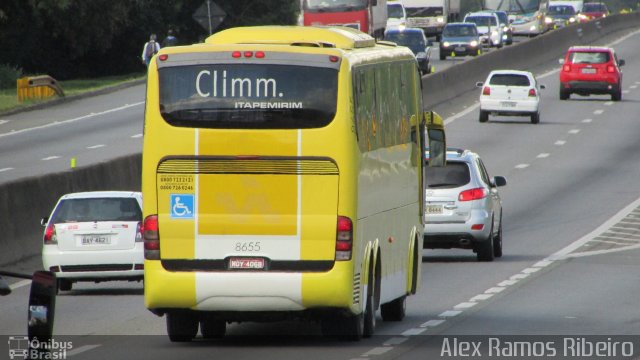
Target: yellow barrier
38,87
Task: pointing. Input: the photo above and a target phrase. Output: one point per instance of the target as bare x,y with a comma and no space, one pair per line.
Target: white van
489,28
396,15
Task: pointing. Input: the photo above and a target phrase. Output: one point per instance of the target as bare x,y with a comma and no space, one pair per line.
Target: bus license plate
434,209
95,240
246,263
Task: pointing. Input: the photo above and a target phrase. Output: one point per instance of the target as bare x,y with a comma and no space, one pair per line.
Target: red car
592,11
590,70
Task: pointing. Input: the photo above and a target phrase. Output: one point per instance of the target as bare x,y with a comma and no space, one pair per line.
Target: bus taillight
151,234
344,238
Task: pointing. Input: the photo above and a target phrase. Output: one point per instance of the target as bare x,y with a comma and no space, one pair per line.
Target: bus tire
370,308
181,326
212,328
395,310
414,270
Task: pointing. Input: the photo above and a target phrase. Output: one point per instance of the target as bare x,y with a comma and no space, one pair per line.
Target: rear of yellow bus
249,191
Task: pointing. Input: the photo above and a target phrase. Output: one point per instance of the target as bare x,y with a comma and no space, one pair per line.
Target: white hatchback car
510,93
94,236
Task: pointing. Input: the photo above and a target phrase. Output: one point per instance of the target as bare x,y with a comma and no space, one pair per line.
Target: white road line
50,158
20,284
450,313
81,349
506,283
96,146
625,91
3,121
574,131
543,155
395,341
543,263
564,252
6,169
630,87
72,120
481,297
598,112
377,351
432,323
465,305
495,290
608,103
587,121
414,332
136,136
522,166
519,276
462,113
560,142
531,270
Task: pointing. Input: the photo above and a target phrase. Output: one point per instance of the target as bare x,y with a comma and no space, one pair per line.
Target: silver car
462,206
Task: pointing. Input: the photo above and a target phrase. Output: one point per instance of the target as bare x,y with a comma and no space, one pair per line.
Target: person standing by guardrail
150,48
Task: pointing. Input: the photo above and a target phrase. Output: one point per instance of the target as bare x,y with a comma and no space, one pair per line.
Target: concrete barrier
23,203
458,79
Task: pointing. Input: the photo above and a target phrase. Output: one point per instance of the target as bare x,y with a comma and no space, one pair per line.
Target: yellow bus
282,179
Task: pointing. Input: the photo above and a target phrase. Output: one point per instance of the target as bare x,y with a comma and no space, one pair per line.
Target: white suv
463,208
489,29
510,93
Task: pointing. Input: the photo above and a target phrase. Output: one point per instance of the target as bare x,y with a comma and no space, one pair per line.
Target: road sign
209,15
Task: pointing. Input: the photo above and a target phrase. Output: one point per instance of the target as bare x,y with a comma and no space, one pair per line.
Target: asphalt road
571,249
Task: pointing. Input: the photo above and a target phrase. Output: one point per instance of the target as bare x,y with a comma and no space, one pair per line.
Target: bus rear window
248,96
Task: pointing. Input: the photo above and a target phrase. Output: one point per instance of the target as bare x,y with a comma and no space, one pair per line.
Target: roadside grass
9,97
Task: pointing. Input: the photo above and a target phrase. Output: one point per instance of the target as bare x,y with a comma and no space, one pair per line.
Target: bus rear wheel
182,326
395,310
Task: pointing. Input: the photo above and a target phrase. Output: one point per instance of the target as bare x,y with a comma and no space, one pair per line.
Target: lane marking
531,270
574,131
96,146
414,332
518,276
630,87
560,142
543,263
450,313
3,121
543,155
608,103
598,112
69,121
81,349
481,297
20,284
377,351
136,136
6,169
395,341
465,305
51,158
495,290
506,283
587,121
522,166
432,323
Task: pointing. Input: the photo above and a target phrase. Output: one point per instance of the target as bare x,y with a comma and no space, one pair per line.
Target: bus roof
331,37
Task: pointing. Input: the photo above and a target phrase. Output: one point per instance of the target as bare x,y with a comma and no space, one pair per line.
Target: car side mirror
44,221
499,181
542,86
479,84
621,62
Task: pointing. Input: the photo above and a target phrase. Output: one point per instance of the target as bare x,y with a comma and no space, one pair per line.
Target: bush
8,76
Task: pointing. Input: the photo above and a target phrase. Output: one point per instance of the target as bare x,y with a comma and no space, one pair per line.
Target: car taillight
50,237
486,90
566,68
473,194
139,230
151,234
611,69
532,92
344,238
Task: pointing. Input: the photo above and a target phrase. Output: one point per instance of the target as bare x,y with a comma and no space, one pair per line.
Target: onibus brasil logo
20,347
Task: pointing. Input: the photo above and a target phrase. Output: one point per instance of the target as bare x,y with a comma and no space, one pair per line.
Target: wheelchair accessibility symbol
182,206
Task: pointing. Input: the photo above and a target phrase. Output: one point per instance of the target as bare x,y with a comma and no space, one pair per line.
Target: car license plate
460,49
588,71
434,209
246,263
95,240
509,104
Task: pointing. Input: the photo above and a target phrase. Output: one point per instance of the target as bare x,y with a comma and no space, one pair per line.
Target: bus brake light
344,238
